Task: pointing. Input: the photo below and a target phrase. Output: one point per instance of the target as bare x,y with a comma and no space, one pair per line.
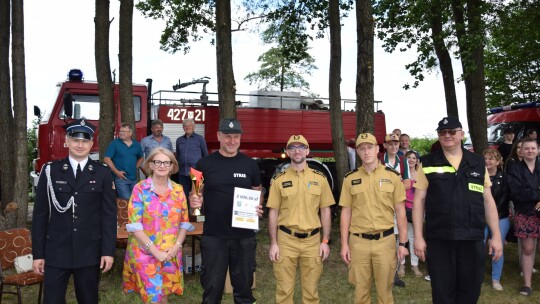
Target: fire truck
268,120
520,117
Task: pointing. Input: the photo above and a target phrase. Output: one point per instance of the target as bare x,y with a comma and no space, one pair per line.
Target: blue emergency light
514,107
75,75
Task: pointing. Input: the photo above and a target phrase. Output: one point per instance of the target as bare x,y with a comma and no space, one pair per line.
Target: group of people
444,205
514,170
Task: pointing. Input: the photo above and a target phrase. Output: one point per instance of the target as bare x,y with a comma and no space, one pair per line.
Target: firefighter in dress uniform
295,199
370,196
74,220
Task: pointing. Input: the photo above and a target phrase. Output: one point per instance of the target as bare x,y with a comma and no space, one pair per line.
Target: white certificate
245,208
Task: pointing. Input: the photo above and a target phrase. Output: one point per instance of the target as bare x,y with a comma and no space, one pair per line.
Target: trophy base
196,218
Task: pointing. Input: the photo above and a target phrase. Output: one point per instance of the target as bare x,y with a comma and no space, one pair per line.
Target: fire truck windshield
87,106
496,131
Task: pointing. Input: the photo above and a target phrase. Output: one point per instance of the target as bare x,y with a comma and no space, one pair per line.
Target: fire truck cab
520,117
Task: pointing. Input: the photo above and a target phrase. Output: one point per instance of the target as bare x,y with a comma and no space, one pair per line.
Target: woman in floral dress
158,223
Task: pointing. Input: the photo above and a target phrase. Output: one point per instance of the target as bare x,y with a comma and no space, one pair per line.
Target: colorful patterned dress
161,217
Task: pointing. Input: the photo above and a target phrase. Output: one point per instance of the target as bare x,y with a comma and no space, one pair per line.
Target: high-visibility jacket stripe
443,169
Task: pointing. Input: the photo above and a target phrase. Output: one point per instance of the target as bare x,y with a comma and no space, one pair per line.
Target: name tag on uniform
356,181
61,182
286,184
476,187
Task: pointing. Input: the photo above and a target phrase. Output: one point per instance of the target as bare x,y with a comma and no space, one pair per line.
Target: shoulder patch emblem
100,163
356,181
350,172
392,170
278,174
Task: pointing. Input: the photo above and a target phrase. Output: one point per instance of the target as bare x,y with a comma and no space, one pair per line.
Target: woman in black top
524,184
499,190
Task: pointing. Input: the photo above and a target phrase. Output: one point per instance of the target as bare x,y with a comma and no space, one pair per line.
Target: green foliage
277,73
31,143
422,145
291,25
512,56
406,25
184,21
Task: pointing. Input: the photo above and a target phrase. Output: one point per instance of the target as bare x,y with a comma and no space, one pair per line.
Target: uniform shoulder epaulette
100,163
278,175
318,172
351,172
392,170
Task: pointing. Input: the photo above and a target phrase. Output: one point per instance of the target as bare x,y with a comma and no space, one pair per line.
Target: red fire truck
519,117
267,122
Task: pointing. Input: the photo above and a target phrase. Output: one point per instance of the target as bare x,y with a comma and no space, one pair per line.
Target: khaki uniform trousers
291,251
372,259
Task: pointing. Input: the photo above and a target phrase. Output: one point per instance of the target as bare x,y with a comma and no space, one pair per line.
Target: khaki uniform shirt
372,196
422,181
298,196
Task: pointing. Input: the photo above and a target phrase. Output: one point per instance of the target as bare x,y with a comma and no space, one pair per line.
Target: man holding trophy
224,246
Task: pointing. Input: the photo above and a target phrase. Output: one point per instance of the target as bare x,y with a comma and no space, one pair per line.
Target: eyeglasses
158,163
125,131
448,131
297,148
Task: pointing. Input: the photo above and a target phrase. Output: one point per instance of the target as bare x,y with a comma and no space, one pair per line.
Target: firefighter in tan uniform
370,196
295,199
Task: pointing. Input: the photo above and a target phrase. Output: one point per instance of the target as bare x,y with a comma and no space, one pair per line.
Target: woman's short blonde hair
166,152
495,154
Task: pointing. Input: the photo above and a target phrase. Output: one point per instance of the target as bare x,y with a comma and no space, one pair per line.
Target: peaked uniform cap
297,139
449,123
230,126
391,137
80,128
366,138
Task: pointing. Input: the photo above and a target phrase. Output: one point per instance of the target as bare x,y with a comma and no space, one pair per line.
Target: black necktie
79,172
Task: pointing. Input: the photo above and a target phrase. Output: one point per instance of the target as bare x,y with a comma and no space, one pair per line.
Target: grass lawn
334,287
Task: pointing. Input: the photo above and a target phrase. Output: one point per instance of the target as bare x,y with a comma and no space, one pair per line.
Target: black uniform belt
375,236
299,235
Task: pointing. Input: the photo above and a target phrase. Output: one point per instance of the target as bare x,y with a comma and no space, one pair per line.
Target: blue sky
59,36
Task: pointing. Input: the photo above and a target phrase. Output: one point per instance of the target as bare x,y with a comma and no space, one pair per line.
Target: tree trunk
364,75
225,72
471,48
445,61
336,119
6,117
20,191
103,73
126,62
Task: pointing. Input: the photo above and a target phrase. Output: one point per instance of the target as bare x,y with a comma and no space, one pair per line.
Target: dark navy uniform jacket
75,240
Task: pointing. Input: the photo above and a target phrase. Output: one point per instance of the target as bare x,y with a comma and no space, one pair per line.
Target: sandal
525,291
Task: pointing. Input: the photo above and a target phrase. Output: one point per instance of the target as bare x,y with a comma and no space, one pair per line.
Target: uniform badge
82,122
61,182
356,181
445,121
231,125
475,174
286,184
65,167
90,168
